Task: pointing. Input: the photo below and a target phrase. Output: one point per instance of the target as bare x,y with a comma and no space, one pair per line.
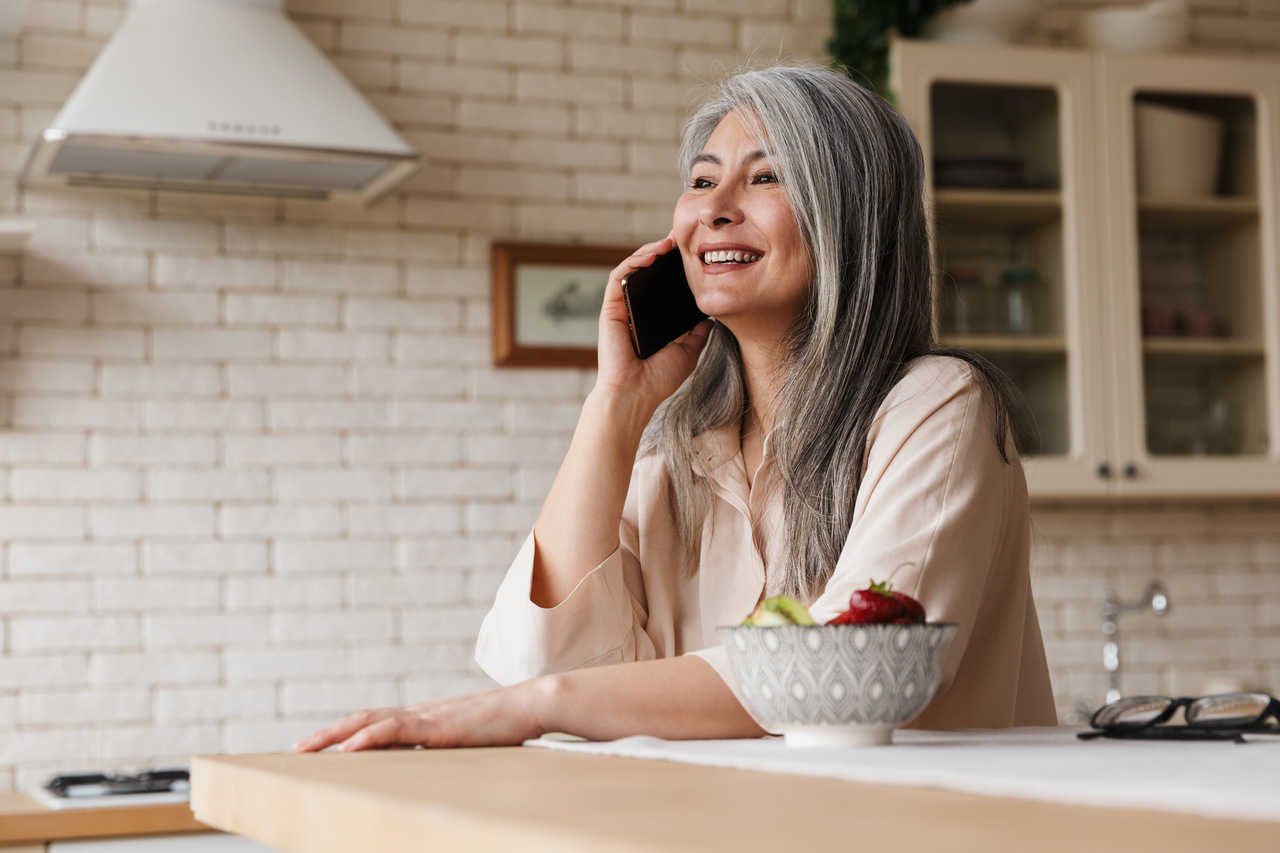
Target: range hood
222,96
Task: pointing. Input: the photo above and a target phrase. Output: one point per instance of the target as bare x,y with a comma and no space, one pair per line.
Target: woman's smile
725,257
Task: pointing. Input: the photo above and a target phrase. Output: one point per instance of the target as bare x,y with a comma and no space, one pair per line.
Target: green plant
860,41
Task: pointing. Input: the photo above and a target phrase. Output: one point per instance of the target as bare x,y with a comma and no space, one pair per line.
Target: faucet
1153,598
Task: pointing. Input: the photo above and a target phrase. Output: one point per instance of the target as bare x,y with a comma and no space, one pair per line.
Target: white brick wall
255,467
1218,563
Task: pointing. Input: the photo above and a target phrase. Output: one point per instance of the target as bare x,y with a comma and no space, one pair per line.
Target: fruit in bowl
779,610
848,683
880,604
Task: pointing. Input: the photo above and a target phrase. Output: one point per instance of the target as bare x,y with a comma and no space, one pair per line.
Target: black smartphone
660,305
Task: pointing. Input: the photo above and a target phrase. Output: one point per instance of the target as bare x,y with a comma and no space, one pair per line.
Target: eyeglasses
1225,716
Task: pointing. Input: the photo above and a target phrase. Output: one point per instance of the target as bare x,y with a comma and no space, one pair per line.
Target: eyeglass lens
1228,709
1132,711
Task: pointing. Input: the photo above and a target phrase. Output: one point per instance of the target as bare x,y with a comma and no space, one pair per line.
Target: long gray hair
854,175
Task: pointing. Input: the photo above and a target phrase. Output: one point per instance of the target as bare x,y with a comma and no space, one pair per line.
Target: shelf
958,208
1202,348
1195,213
14,234
1041,345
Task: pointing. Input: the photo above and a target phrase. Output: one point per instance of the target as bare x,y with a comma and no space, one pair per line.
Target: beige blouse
935,494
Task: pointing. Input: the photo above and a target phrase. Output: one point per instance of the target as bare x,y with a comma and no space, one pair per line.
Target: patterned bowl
838,685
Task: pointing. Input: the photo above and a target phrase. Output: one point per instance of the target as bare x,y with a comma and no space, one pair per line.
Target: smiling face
744,255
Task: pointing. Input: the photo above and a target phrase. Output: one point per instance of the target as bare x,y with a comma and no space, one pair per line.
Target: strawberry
912,608
845,618
879,604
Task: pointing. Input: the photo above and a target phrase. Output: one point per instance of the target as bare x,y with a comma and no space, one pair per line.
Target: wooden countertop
25,820
517,799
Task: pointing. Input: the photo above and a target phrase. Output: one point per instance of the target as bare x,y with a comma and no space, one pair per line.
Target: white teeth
729,257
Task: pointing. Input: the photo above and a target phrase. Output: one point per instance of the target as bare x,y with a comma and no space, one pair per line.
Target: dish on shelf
1161,320
982,21
1179,151
1162,25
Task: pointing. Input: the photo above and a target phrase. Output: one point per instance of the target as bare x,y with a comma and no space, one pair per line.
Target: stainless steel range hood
222,96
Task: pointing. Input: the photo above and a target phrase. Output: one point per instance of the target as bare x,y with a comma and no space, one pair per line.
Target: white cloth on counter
1218,779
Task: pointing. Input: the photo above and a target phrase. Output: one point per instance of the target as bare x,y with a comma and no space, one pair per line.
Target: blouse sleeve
934,504
602,621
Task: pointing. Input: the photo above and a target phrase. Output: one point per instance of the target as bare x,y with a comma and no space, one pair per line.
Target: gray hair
853,172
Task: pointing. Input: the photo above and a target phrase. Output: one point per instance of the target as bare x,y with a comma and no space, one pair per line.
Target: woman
809,439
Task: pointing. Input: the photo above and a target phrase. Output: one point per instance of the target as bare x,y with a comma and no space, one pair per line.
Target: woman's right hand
646,381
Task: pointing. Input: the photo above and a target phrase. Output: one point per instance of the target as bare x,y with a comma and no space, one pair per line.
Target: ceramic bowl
1160,26
982,21
838,685
1179,152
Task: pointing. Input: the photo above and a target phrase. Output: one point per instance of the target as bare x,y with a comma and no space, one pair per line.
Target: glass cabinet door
1010,171
997,194
1193,274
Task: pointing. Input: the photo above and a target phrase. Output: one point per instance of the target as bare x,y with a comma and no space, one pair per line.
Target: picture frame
546,302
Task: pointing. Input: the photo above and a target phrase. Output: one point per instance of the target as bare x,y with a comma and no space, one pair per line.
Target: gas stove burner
109,785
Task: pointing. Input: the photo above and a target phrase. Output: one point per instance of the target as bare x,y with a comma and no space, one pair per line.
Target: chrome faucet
1154,598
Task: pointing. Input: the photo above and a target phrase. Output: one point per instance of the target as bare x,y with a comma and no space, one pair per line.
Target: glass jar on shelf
1019,293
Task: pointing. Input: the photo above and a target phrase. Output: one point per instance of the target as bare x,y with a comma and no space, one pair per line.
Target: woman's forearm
674,698
578,525
679,698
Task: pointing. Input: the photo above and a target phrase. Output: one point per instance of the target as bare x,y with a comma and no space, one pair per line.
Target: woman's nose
721,207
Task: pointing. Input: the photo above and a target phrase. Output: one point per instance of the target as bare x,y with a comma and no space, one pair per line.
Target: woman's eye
766,178
701,183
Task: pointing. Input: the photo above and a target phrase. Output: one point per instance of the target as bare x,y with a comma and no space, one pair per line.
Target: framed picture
546,302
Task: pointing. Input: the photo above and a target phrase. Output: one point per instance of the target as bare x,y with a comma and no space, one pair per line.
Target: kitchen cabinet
1139,315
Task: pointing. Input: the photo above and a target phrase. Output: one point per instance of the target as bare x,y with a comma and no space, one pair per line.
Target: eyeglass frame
1154,730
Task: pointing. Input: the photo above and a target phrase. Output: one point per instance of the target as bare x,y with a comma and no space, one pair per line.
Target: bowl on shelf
982,21
838,685
1157,26
1179,152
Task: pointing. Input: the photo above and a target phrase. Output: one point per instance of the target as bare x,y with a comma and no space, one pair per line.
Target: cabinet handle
1131,471
1104,470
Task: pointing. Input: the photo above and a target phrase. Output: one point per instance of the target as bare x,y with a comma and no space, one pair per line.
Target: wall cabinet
1106,232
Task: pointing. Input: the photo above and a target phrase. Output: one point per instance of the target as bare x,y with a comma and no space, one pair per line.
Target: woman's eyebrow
715,159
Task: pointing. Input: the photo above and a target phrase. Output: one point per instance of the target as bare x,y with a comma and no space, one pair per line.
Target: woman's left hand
501,717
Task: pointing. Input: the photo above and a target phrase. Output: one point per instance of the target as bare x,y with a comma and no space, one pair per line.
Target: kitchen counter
24,820
518,798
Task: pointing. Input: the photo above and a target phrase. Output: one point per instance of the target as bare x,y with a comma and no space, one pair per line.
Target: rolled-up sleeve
594,625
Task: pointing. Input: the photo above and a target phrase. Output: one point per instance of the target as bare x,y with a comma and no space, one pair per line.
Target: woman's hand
652,380
501,717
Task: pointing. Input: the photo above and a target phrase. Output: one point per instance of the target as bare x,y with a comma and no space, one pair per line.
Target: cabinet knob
1104,470
1131,471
